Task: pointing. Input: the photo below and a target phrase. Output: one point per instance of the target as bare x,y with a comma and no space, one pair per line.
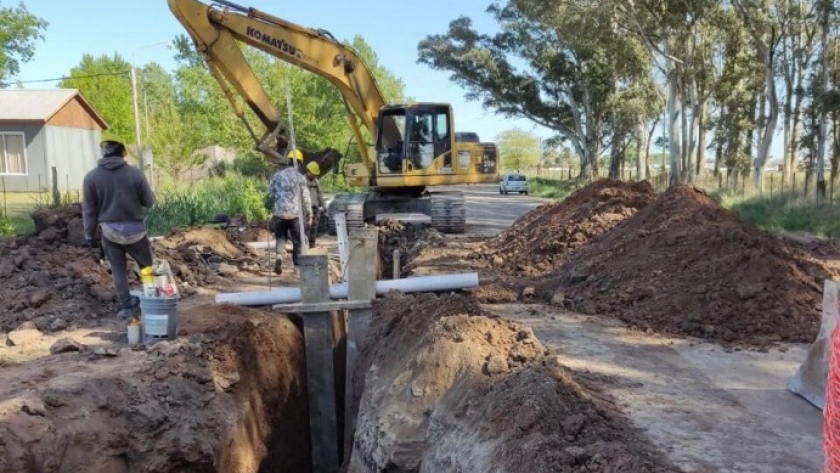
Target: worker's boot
278,267
130,309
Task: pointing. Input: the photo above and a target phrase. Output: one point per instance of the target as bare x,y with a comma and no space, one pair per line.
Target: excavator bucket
810,380
327,159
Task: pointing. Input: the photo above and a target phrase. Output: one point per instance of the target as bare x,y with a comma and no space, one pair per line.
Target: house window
12,154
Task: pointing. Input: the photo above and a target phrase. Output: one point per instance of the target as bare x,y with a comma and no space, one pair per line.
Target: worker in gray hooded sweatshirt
116,197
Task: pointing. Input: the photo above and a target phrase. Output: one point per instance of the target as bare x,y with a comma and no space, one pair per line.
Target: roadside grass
15,208
553,188
785,212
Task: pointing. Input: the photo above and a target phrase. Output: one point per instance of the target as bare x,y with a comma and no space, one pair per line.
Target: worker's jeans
312,231
288,229
141,252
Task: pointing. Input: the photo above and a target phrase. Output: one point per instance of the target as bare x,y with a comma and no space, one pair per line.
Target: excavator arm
217,28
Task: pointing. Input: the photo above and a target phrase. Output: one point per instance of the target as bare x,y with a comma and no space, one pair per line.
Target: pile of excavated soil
409,238
541,240
50,279
226,396
61,224
684,265
451,388
192,253
55,285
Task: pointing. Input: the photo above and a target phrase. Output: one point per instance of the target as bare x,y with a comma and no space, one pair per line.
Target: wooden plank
361,286
318,340
304,309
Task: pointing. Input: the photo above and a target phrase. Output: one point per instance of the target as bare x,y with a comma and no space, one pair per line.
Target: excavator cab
412,137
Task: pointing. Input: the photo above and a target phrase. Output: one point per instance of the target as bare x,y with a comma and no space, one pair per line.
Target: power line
66,78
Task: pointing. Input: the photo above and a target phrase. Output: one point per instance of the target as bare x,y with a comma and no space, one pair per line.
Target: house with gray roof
42,130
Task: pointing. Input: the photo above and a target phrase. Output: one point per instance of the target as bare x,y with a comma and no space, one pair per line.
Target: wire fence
21,195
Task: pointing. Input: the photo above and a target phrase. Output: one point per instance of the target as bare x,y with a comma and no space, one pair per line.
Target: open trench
442,385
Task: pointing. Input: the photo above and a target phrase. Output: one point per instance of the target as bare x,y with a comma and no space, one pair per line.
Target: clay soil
541,240
52,280
408,238
684,265
226,396
452,388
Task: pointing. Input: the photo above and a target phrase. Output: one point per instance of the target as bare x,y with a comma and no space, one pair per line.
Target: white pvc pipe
262,245
290,295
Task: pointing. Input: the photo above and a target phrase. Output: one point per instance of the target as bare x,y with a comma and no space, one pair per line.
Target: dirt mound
199,256
53,284
60,224
407,237
684,265
541,240
227,396
450,387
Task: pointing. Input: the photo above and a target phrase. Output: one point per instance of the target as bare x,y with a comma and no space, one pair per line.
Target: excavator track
351,205
448,211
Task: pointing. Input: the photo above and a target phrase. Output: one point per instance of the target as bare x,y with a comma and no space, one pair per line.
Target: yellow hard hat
295,154
112,145
313,168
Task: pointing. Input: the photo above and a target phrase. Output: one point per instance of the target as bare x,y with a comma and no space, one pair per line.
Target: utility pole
137,140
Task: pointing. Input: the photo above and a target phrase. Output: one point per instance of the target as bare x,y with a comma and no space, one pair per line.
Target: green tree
541,68
518,148
105,83
18,33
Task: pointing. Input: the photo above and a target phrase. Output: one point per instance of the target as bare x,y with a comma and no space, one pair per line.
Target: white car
513,182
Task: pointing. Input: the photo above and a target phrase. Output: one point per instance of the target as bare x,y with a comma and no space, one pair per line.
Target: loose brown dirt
450,387
409,238
50,279
684,265
226,396
541,240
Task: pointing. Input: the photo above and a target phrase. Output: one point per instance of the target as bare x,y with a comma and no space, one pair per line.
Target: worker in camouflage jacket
313,172
289,196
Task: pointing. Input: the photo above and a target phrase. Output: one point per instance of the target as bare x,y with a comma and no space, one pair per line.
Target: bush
232,194
7,228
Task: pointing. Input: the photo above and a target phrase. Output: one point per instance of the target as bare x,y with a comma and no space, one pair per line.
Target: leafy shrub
7,228
231,194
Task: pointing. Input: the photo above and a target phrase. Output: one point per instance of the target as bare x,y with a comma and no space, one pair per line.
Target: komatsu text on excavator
415,148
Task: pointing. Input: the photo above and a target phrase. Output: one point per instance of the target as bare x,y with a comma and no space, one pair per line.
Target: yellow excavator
415,149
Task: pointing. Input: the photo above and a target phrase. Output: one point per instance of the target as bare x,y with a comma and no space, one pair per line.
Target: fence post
56,194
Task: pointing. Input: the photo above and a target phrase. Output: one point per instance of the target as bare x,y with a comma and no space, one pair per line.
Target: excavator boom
415,144
216,29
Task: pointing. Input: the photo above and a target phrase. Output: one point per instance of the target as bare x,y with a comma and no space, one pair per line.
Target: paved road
489,212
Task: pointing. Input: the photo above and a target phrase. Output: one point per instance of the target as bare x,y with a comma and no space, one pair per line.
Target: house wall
74,152
34,136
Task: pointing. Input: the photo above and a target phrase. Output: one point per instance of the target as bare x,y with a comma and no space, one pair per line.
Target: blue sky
139,31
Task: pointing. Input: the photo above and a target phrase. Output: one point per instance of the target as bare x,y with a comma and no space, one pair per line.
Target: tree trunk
773,119
642,144
673,112
823,113
701,140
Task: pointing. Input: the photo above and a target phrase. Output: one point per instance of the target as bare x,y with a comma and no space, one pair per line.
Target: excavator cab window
421,148
389,143
443,141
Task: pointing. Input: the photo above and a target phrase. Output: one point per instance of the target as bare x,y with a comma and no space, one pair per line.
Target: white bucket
133,334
